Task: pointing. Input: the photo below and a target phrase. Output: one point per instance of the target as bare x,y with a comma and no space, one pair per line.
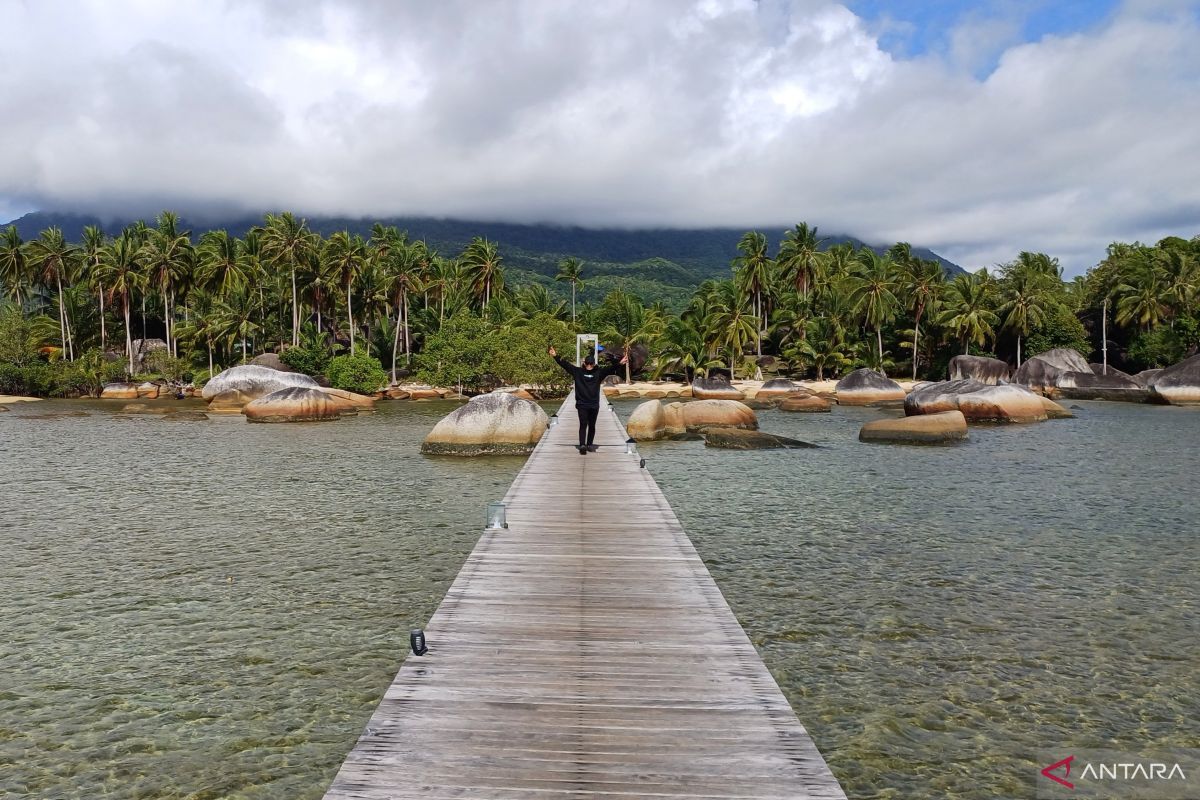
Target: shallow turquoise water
212,609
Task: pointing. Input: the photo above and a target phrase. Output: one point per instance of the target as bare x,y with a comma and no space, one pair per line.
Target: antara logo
1060,771
1065,766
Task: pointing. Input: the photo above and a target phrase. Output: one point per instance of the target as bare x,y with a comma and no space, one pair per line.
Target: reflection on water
212,609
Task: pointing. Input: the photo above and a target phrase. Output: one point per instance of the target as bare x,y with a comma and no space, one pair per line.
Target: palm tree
752,269
346,256
682,347
93,244
872,292
629,324
571,271
402,279
14,266
120,271
1026,294
799,258
921,282
286,241
1142,296
967,313
729,323
224,264
534,299
482,261
168,256
52,260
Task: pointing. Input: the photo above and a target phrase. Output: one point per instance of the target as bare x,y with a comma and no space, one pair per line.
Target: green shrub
311,358
519,354
357,373
460,354
1061,328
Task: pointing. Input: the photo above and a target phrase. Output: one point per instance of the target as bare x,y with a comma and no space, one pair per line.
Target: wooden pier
584,652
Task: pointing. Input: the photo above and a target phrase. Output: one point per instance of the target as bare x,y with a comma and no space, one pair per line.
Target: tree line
801,307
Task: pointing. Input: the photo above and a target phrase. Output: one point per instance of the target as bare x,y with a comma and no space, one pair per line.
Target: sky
975,129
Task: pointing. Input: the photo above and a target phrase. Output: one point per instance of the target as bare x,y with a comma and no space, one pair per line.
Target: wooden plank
584,652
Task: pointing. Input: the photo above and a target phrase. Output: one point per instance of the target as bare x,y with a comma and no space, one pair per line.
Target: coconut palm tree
752,272
168,256
401,279
627,324
14,266
223,263
729,323
346,256
967,311
1141,297
121,273
799,257
93,244
1028,283
921,283
571,271
52,260
287,242
872,291
482,261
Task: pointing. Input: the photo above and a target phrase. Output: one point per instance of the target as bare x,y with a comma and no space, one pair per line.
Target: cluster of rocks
264,394
866,387
149,390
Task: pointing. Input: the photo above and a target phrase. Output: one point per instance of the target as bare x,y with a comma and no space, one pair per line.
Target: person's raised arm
570,368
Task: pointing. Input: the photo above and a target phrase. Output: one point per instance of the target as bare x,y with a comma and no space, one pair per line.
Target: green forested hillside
658,265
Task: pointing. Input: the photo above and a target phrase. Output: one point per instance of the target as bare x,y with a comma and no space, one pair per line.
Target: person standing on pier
588,380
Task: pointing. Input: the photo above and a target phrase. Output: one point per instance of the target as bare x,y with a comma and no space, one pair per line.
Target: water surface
213,609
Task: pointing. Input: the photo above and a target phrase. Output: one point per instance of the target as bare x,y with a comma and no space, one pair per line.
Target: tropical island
362,313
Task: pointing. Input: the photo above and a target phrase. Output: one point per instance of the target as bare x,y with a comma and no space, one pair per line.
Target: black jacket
588,383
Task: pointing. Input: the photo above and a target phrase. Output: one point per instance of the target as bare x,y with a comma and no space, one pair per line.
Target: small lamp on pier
416,640
630,447
553,420
495,515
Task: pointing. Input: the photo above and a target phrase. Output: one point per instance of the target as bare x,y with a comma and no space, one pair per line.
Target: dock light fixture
416,640
553,420
495,515
642,464
630,447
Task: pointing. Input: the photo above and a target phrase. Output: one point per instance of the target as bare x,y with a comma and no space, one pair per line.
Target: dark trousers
587,425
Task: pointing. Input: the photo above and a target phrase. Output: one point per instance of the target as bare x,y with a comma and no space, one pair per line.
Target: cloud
713,112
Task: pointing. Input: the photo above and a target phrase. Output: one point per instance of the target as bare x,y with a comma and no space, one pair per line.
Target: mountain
655,263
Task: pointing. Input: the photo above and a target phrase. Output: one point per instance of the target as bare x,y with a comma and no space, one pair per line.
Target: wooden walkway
584,652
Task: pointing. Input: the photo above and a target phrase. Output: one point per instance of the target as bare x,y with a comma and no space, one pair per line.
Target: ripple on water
214,610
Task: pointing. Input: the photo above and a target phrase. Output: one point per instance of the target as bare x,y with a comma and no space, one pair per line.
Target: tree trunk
103,334
407,343
572,302
879,336
128,335
350,314
167,321
62,316
396,340
1018,351
210,363
758,312
295,310
1104,334
628,377
916,342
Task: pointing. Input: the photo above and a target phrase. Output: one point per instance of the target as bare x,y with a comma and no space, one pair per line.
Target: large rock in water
1043,372
979,368
1095,385
1178,384
294,404
866,386
119,391
739,439
939,428
242,384
778,387
490,424
1144,377
979,402
804,402
715,389
653,420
